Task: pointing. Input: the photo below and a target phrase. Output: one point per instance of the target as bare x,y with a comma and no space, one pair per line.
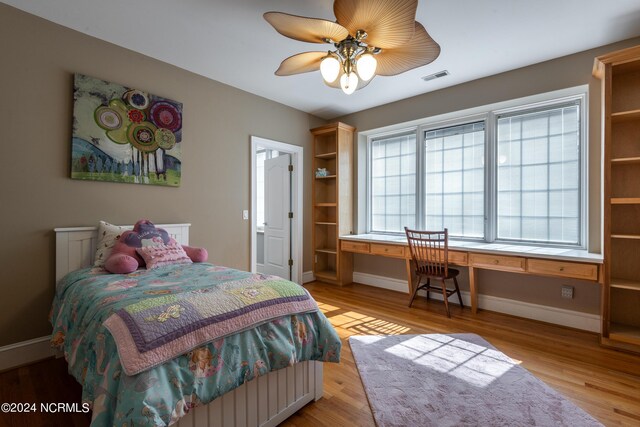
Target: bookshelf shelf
620,75
625,200
625,161
622,116
331,204
633,285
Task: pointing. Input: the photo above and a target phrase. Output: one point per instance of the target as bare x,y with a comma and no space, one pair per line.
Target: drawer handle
495,261
561,268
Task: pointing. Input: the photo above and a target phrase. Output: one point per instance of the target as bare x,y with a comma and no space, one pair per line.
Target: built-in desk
555,262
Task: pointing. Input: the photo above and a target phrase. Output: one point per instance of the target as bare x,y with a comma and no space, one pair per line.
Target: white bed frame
265,401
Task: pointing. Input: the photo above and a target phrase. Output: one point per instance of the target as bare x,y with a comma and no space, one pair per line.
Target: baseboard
25,352
308,276
543,313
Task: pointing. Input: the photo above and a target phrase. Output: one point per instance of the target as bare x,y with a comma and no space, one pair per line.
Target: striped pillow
161,255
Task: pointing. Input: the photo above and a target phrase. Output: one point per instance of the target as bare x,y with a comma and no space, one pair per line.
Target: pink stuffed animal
125,259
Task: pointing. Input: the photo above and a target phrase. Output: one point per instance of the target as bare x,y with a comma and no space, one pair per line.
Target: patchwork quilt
205,330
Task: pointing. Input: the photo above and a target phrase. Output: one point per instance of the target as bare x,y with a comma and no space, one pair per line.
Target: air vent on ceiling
435,75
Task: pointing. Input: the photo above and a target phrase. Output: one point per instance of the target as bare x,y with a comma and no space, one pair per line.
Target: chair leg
446,298
455,282
415,290
428,288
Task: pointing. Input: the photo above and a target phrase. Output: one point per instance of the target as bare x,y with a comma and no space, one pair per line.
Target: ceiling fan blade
300,63
310,30
420,50
388,23
336,83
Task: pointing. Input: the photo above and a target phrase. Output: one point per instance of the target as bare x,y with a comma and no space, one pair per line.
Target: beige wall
38,62
560,73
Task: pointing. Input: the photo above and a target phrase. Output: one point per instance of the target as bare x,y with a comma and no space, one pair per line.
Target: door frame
297,156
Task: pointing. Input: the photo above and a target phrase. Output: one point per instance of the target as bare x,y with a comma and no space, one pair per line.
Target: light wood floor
605,383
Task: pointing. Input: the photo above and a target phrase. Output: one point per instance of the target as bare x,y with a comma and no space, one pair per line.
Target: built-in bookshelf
620,75
332,200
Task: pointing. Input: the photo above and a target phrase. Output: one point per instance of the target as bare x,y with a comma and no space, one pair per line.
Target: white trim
24,352
308,276
297,156
265,401
94,228
543,313
76,246
318,373
463,114
489,115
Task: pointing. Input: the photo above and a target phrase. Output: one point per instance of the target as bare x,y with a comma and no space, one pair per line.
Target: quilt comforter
159,396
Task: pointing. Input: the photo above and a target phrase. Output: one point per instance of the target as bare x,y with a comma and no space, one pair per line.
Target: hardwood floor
42,382
605,383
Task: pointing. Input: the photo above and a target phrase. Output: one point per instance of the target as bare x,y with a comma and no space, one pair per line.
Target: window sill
566,254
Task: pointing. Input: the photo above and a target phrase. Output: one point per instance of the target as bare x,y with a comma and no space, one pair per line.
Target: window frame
422,171
583,193
369,190
489,115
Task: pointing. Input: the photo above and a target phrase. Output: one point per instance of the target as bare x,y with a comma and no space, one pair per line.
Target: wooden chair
429,251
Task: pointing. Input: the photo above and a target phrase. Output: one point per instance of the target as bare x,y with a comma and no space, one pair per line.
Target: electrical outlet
245,214
567,292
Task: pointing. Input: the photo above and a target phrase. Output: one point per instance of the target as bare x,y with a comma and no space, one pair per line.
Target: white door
277,224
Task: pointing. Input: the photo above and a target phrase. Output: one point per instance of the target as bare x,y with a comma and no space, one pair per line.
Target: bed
262,391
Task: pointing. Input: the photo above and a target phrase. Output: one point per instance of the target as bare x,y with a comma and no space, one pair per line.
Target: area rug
455,380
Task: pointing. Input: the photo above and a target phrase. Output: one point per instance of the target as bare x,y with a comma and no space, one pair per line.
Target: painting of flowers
124,135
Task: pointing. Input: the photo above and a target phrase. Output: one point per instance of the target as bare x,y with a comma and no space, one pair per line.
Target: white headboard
76,246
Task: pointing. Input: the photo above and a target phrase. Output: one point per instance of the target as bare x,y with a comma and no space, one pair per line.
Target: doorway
276,208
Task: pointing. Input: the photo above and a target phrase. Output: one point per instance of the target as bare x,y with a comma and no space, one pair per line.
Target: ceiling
230,42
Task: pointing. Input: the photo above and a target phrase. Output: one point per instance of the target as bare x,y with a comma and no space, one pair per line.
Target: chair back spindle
429,251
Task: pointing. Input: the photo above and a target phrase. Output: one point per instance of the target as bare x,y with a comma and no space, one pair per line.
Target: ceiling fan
370,37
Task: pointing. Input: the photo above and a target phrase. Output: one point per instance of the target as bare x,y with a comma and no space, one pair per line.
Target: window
539,176
393,183
454,180
511,175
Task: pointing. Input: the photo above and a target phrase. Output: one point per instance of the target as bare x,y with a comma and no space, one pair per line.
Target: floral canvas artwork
124,135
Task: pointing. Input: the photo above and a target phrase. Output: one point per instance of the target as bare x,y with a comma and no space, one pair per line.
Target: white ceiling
229,41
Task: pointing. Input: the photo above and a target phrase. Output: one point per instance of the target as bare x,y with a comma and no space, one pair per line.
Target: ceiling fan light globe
330,68
349,83
366,66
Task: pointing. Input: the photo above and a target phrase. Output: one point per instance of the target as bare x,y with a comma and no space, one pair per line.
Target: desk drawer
355,246
497,262
563,269
458,258
388,250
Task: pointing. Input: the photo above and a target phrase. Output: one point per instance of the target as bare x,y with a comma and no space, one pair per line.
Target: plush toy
125,259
